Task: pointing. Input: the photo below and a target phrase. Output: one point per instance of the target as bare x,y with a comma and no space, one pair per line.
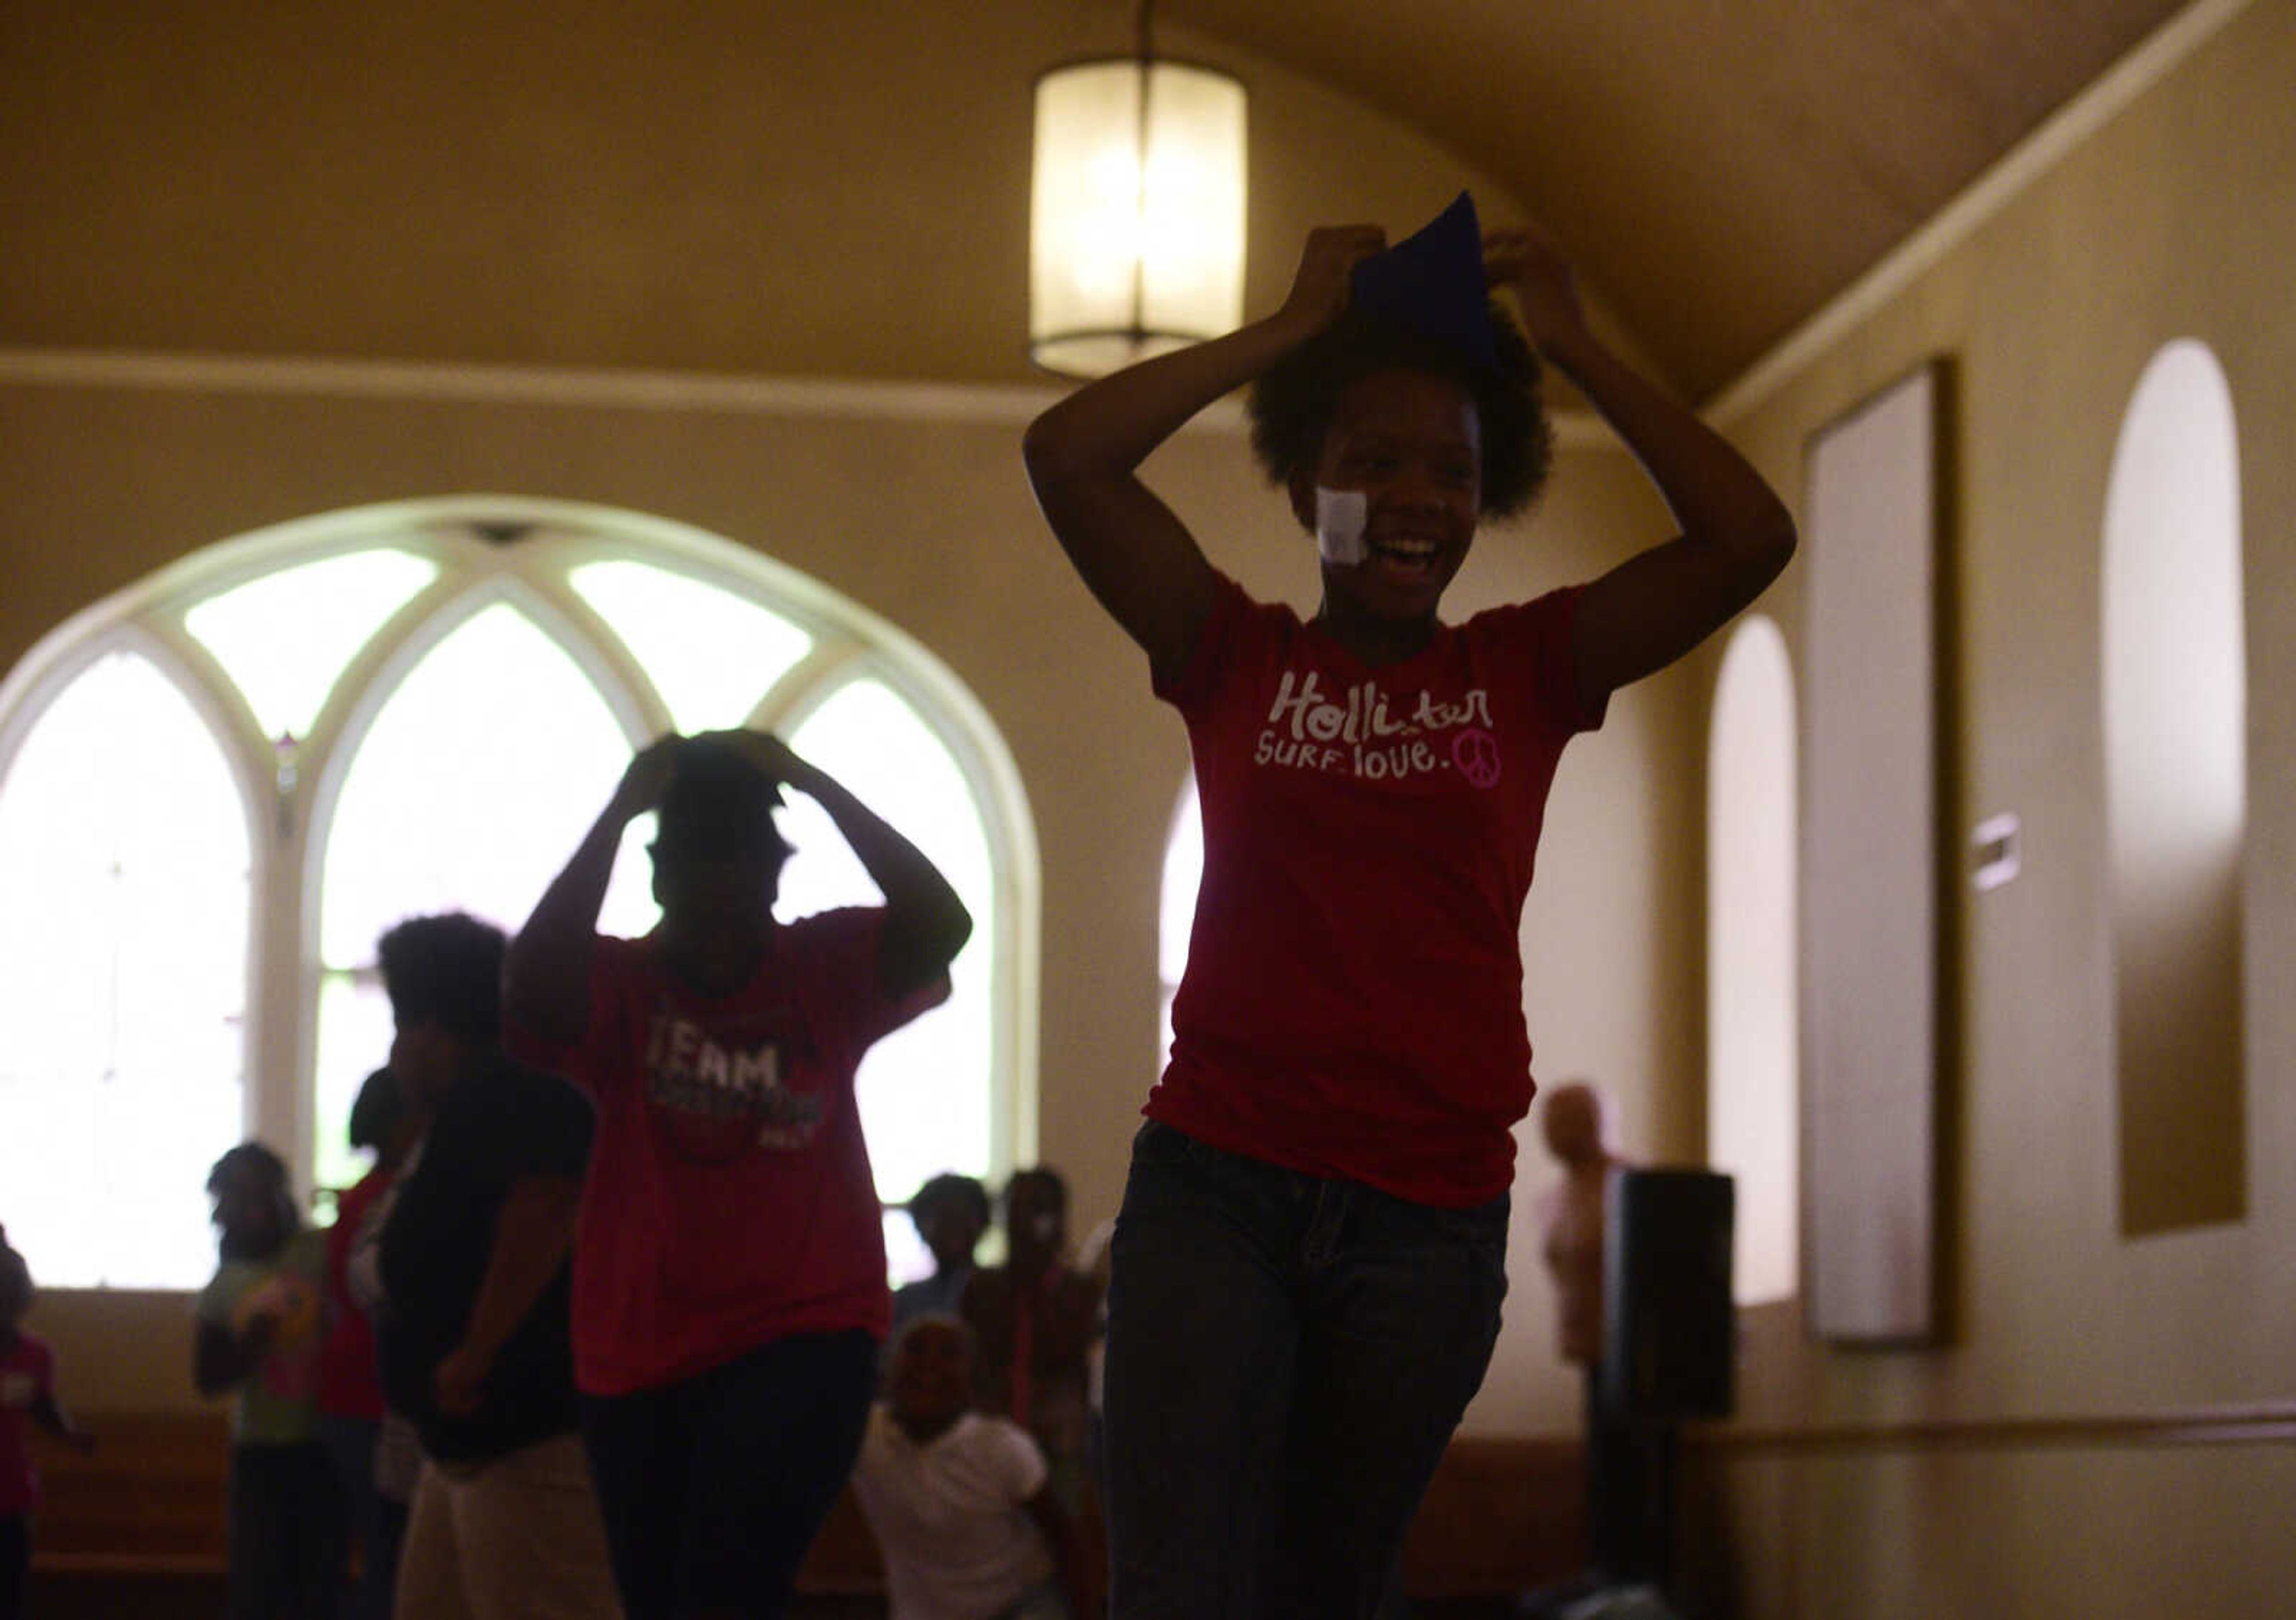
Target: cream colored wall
2178,220
535,187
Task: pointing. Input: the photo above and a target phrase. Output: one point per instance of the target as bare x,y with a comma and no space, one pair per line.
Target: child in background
951,1215
350,1388
1035,1319
261,1322
961,1503
27,1391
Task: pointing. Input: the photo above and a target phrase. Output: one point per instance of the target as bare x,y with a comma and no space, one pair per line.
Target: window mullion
271,1104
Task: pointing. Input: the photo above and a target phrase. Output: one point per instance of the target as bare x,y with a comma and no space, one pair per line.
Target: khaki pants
516,1538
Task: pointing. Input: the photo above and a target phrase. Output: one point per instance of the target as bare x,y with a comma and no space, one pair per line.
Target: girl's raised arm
1084,455
1736,535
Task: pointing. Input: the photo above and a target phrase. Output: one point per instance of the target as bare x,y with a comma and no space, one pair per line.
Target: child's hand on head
1529,261
1324,284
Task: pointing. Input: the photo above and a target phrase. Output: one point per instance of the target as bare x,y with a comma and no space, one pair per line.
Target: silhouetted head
255,1211
950,1214
377,1112
1036,1218
1574,1123
444,976
718,856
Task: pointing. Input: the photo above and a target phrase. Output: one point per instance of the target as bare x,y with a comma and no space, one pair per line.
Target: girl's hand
1527,259
1322,285
770,755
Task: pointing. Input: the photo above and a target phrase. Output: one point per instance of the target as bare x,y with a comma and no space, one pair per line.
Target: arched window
124,869
1753,1124
2175,698
313,732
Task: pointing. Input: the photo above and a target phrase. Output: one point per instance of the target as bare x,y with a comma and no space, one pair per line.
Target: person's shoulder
836,919
821,948
1238,627
615,959
988,1285
221,1291
1008,1450
1535,616
306,1251
994,1428
1243,617
355,1198
526,1083
530,1105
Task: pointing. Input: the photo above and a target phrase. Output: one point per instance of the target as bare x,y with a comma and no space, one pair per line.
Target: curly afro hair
1291,401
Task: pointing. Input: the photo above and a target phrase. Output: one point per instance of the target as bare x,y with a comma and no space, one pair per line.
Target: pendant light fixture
1136,217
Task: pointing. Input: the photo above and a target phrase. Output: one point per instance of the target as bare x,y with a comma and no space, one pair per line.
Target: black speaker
1669,1337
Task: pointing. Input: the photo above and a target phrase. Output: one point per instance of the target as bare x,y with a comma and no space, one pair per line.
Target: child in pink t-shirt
27,1396
729,1262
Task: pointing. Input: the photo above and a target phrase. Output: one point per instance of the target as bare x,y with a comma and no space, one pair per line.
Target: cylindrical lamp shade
1135,241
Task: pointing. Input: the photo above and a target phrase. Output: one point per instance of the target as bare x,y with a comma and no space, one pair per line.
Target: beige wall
2176,219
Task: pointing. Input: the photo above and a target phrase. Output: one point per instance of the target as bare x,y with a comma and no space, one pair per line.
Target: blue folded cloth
1431,283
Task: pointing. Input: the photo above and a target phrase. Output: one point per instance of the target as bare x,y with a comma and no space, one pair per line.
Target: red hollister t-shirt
1353,1000
729,1202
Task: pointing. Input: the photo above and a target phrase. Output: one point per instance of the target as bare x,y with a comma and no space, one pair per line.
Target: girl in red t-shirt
729,1259
1311,1251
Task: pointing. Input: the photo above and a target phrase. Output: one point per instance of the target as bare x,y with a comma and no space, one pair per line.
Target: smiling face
1411,444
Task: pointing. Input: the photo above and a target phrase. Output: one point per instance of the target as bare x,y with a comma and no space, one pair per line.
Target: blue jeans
1287,1358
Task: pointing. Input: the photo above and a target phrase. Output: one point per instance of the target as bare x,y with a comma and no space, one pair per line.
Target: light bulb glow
1136,224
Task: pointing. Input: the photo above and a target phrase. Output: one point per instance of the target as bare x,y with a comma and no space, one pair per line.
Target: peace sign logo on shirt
1476,753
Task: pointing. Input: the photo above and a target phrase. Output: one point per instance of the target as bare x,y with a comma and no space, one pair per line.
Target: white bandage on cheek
1339,517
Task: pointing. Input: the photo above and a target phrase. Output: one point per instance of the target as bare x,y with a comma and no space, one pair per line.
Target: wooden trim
117,1565
2262,1423
967,404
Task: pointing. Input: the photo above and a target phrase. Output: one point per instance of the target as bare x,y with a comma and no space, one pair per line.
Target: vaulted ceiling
1717,168
766,186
